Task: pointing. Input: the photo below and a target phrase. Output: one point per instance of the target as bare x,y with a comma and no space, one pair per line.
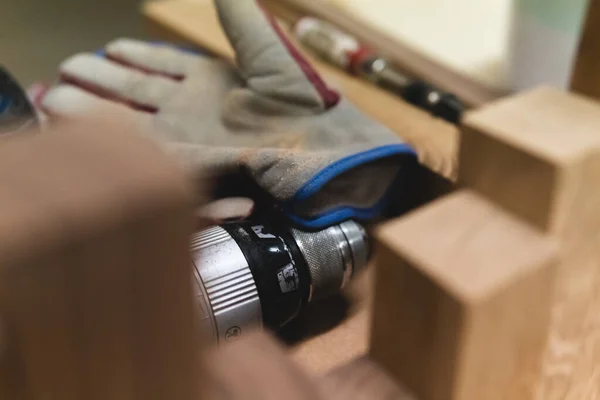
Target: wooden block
529,153
462,301
538,155
95,298
362,379
256,367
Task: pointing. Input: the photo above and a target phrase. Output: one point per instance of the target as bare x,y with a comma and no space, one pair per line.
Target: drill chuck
253,275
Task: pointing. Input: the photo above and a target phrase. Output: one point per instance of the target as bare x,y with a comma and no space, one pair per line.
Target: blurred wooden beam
95,298
537,155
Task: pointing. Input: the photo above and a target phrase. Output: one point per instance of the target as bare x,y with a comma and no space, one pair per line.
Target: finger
36,93
154,58
270,63
72,102
110,79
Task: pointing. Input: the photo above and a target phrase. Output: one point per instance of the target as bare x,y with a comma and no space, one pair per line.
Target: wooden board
537,155
462,300
88,309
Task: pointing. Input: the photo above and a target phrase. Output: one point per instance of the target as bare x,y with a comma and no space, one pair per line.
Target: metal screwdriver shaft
346,52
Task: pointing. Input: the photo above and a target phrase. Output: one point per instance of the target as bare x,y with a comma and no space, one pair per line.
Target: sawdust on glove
272,117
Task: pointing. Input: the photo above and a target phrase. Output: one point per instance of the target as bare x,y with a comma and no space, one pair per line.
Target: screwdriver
347,53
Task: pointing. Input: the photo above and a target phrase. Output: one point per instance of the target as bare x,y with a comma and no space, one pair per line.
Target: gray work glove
272,117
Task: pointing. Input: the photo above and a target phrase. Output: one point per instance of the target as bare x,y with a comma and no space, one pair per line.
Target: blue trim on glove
313,186
343,213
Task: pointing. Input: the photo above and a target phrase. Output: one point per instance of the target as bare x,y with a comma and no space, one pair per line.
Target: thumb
223,210
271,65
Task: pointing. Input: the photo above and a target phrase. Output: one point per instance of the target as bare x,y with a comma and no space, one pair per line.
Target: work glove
272,117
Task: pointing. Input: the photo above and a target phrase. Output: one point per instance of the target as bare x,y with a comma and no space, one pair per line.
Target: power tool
252,274
246,274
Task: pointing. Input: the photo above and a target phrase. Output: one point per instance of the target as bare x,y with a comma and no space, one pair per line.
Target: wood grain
435,140
586,73
87,307
462,300
538,156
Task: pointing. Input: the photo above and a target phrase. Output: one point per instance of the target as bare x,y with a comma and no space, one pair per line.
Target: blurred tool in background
251,274
347,53
16,111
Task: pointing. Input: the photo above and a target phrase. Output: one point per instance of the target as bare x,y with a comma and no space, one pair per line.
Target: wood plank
538,156
87,307
462,301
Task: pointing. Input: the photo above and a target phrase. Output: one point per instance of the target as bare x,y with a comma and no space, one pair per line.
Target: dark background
36,35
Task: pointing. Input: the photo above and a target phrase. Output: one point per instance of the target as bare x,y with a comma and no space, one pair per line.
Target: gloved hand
272,117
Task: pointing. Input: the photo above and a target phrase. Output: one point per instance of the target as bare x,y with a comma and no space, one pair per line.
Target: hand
272,117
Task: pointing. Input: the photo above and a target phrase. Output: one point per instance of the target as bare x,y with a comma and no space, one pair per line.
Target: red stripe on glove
330,97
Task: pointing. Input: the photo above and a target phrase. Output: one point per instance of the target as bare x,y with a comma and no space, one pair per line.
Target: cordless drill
255,274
